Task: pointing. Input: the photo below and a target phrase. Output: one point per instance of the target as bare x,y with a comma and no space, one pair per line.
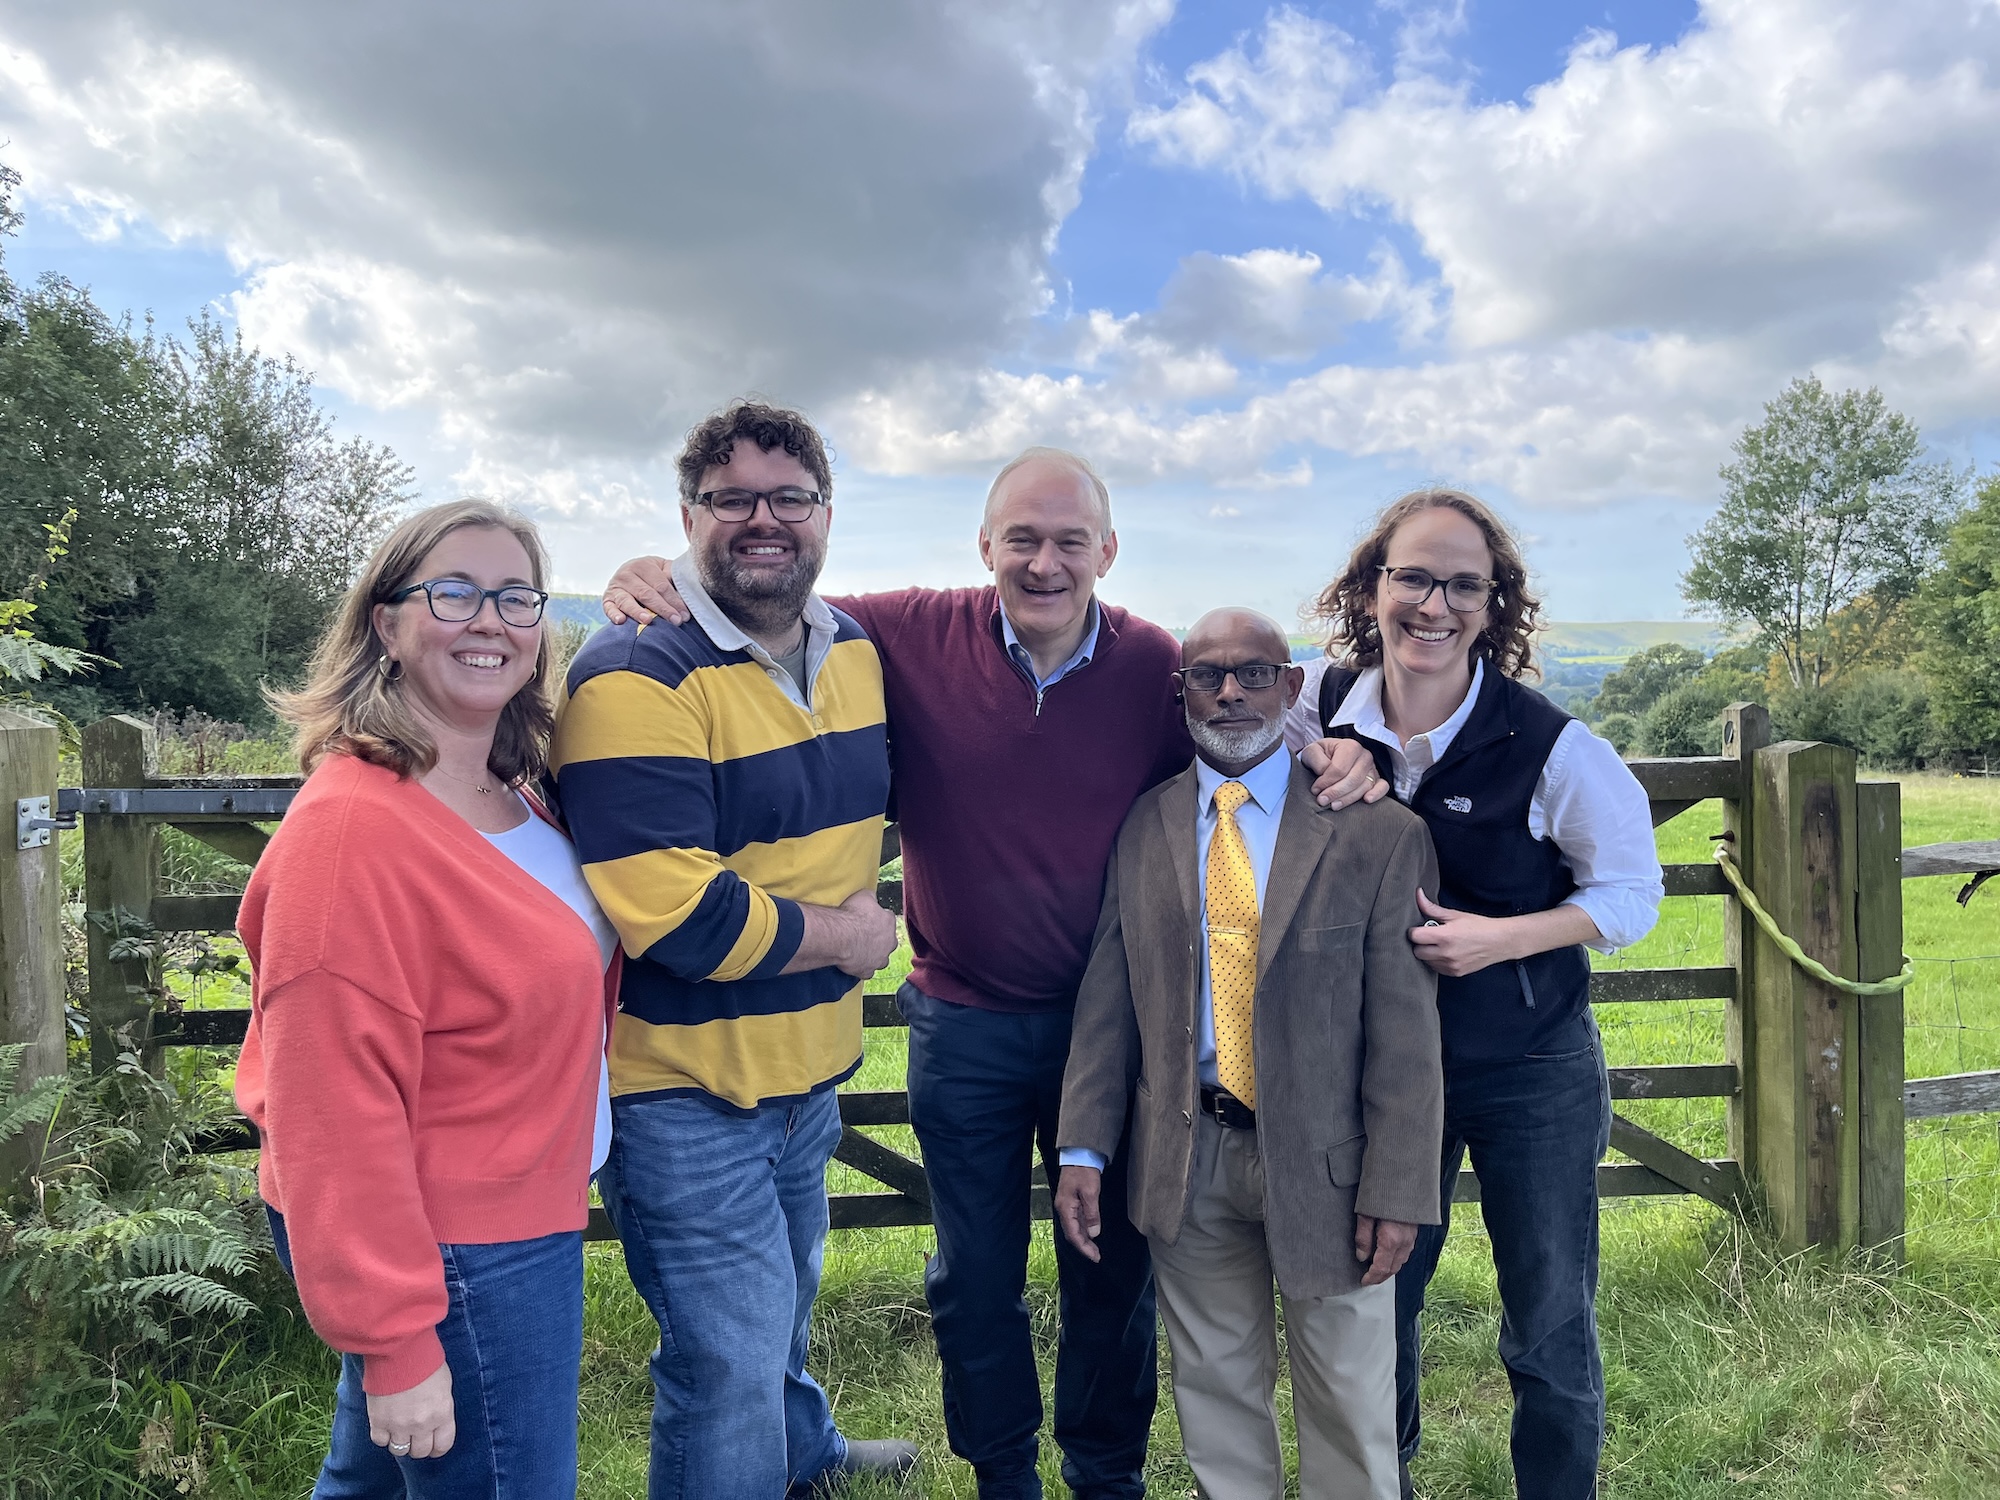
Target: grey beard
1235,745
758,600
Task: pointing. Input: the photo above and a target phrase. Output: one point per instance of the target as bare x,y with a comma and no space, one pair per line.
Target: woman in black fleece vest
1545,846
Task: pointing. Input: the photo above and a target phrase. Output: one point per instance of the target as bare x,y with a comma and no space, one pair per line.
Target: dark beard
758,601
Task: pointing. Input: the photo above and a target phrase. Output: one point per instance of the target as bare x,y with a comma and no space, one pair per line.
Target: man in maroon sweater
1024,720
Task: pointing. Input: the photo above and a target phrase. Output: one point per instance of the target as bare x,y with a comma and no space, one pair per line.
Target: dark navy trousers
985,1087
1536,1128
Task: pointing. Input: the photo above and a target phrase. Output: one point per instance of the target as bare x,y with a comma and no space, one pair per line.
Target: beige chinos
1215,1294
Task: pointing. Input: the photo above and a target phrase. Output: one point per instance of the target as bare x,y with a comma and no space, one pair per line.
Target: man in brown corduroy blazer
1285,1095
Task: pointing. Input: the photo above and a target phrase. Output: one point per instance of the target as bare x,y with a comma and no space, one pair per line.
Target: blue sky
1267,266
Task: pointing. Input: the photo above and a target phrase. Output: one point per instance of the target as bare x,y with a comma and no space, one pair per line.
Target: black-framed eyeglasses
789,503
1463,594
456,600
1249,675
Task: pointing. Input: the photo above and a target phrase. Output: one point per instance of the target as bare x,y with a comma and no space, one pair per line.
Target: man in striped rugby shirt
725,780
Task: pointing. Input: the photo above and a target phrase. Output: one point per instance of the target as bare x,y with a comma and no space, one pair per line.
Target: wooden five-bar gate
1813,1076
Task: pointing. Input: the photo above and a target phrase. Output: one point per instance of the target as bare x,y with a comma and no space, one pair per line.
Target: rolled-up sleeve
1592,806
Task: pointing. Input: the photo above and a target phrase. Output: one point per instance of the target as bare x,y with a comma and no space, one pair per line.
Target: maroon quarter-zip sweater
1008,813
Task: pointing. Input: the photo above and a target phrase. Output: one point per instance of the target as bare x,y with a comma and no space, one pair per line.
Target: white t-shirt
540,849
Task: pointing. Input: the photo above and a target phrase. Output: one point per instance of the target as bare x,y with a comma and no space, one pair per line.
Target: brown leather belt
1227,1110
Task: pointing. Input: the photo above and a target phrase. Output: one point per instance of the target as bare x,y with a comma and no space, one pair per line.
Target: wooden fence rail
1813,1077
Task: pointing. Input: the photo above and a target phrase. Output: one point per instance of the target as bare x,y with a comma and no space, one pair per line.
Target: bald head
1235,724
1048,471
1242,628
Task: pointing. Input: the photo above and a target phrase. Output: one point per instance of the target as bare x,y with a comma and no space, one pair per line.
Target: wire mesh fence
1952,1025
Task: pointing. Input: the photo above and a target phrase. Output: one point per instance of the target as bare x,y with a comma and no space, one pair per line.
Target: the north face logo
1459,804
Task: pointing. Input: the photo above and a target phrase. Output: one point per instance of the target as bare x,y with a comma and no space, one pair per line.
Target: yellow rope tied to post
1793,951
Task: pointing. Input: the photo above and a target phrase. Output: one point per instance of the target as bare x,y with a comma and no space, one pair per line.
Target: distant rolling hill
583,608
1619,639
1592,641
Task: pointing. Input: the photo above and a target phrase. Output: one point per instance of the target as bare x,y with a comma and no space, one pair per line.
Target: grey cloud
1278,305
562,227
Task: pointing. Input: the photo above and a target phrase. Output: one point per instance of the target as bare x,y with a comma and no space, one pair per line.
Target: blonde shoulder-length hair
351,706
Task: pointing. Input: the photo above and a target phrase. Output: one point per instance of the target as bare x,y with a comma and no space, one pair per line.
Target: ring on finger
401,1450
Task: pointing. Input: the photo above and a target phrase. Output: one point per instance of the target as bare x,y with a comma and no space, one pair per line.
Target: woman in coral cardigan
425,1058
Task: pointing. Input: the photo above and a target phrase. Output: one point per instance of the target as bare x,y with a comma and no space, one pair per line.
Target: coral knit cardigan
422,1059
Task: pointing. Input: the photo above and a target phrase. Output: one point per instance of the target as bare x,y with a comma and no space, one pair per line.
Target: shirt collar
725,632
1362,710
1018,653
1266,782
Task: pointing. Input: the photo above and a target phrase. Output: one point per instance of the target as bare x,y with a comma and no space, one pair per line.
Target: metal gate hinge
33,825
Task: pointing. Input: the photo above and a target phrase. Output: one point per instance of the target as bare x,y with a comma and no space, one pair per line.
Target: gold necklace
484,791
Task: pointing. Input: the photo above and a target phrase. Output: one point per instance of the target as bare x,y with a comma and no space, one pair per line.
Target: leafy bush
126,1229
1687,720
1883,716
138,1292
1622,730
1646,677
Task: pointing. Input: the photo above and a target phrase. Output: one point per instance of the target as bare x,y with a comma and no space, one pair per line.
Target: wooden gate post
1746,729
1806,1075
121,866
1879,931
31,959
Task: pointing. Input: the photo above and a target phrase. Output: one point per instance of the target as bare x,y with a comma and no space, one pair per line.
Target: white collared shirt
728,635
1587,800
1257,819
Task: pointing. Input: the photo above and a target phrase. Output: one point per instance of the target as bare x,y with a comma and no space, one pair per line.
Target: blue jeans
513,1336
724,1223
1536,1128
984,1092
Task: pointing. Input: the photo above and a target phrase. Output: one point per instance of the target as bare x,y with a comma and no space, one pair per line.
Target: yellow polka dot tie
1232,944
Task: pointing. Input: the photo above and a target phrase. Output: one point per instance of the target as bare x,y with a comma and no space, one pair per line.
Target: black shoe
1403,1474
884,1458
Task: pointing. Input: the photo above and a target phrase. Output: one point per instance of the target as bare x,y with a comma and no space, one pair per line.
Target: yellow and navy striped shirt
708,798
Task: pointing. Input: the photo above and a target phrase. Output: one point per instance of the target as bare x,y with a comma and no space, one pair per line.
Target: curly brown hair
710,441
347,706
1354,637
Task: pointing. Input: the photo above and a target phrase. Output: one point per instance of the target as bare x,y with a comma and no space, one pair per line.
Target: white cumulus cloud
1615,271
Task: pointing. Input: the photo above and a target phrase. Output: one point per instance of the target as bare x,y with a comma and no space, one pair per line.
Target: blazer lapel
1304,828
1177,817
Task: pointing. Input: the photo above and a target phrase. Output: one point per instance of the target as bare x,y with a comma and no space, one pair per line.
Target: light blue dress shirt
1018,654
1257,820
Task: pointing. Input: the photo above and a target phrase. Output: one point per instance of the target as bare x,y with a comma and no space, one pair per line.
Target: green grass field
1729,1372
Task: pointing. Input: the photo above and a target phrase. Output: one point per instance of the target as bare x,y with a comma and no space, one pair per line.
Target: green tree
1958,623
1646,676
217,515
1827,512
